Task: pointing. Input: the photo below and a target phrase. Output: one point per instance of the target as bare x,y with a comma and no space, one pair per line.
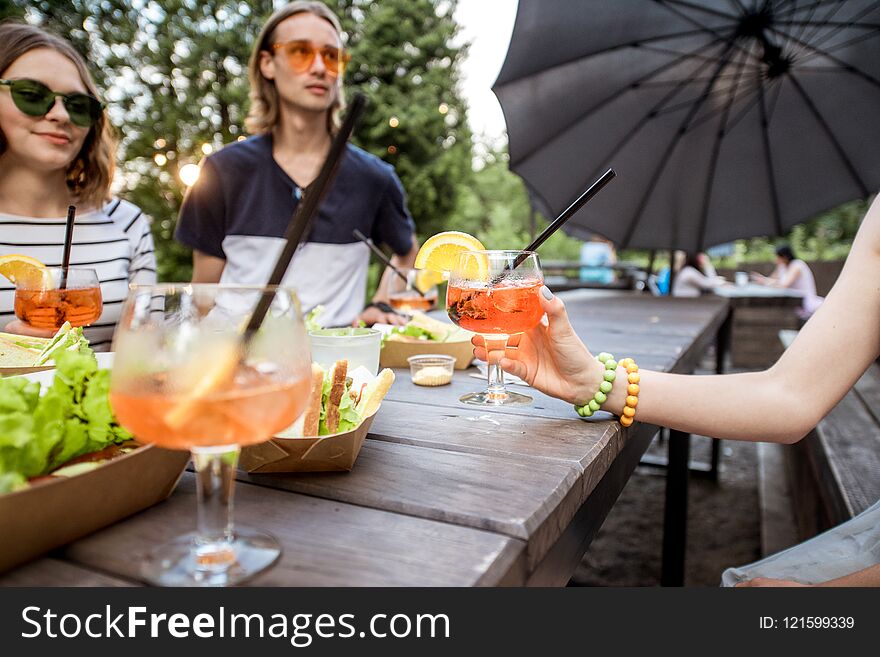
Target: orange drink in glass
495,294
184,378
414,293
49,301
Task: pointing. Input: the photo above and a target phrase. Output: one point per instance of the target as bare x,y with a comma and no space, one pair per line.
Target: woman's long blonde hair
264,111
91,172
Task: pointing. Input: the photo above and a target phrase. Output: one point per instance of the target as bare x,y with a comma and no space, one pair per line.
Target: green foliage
495,208
828,236
404,61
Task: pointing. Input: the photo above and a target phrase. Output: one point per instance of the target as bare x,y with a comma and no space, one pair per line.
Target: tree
404,60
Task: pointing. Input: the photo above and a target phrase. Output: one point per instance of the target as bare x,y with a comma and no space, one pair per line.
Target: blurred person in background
235,216
57,149
794,274
691,278
597,260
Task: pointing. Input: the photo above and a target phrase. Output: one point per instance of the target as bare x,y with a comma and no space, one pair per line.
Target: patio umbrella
723,118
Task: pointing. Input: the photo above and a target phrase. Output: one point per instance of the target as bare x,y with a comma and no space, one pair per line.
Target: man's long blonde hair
91,172
264,111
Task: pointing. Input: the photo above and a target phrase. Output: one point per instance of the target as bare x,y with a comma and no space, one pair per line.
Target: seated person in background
794,274
690,281
57,150
597,258
706,265
236,215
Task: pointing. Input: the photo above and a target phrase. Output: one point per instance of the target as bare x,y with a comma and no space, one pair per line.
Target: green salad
40,433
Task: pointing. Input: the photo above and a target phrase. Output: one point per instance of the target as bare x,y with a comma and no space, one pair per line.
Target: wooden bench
835,471
827,478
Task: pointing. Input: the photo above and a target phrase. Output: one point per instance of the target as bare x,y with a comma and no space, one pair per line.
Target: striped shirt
114,241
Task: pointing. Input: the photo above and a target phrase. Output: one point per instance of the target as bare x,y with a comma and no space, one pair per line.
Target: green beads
601,396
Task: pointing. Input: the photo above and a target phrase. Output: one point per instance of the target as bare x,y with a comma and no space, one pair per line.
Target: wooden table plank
524,498
469,429
325,543
55,572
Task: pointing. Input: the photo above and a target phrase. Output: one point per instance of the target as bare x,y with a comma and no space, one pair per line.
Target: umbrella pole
671,269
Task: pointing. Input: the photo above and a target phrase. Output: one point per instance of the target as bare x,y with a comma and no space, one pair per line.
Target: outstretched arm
780,404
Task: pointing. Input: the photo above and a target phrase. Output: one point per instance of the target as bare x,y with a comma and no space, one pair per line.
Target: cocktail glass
405,296
183,378
491,297
49,300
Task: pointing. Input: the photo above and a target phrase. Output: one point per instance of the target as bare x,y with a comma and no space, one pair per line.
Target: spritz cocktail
184,377
56,297
495,294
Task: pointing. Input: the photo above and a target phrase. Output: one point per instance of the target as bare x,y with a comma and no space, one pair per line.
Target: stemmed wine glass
495,294
184,378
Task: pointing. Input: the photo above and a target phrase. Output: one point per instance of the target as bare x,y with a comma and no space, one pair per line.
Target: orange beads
632,389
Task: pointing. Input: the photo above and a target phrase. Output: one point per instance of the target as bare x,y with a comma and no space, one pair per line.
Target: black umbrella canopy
724,118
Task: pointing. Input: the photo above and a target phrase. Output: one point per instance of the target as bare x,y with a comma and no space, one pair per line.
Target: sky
487,26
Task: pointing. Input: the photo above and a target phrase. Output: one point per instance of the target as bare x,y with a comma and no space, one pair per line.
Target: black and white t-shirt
114,241
242,203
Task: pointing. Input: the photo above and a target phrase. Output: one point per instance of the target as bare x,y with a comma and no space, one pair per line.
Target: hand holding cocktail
493,297
551,358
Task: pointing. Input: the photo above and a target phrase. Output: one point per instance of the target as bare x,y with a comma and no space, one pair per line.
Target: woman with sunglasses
56,150
235,216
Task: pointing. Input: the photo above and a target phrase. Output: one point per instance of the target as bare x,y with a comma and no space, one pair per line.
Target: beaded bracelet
632,391
601,395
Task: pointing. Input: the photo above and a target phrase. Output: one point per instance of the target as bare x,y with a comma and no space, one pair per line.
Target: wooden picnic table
442,494
758,313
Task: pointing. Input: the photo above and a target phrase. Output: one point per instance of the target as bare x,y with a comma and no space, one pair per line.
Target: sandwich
16,352
422,328
24,351
339,400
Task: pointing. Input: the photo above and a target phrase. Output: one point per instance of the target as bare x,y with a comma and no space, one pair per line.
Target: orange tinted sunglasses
301,55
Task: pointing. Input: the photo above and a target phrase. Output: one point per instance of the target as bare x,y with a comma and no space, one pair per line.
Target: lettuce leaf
66,339
73,417
11,481
312,320
349,418
417,332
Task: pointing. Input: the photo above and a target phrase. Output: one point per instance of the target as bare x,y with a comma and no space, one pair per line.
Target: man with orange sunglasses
235,216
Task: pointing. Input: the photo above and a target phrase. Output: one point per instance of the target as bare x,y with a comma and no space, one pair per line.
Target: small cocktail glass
417,292
56,297
490,296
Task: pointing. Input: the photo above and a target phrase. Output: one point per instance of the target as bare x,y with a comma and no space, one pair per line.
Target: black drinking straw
567,214
306,211
378,253
68,241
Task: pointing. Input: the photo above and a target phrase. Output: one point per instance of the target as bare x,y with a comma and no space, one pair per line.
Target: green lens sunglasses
36,99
